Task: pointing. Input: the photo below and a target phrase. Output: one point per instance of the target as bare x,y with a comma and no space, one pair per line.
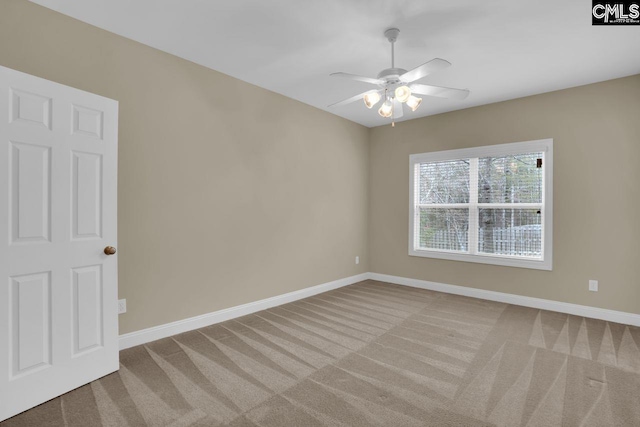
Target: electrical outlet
593,285
122,306
357,260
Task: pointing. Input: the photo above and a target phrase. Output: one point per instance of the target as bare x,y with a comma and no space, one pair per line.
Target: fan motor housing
391,75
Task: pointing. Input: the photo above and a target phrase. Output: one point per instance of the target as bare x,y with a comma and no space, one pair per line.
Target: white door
58,288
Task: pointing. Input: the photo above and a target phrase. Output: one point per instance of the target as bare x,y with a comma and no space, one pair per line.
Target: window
490,205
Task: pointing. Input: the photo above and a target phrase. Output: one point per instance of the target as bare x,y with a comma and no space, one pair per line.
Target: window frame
542,145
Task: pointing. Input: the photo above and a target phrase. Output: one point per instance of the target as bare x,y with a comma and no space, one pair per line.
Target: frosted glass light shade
413,102
371,99
386,109
403,93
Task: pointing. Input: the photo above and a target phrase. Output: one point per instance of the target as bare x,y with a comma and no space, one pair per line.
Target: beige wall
228,193
596,133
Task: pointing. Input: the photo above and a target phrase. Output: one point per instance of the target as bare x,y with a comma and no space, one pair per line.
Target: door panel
87,308
30,171
30,109
86,177
87,121
30,323
58,289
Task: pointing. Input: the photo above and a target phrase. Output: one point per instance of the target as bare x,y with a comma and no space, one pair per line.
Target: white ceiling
500,49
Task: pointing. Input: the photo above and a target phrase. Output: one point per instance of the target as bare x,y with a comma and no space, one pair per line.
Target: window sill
544,264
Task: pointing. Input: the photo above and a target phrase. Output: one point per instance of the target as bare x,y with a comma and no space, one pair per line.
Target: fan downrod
392,75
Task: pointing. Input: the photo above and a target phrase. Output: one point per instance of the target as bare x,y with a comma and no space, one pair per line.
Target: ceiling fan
397,86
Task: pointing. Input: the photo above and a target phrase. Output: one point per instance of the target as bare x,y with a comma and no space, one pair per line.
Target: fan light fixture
371,99
397,86
386,109
413,102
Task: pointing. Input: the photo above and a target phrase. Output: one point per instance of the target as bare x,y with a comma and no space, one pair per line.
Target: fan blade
352,99
397,109
424,70
359,78
441,92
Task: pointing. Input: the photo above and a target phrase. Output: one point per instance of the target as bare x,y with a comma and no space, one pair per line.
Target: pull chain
393,115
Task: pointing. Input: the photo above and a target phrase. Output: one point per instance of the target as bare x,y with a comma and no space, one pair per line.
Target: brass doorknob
109,250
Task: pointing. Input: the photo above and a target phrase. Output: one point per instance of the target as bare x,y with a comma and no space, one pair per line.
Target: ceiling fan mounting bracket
392,34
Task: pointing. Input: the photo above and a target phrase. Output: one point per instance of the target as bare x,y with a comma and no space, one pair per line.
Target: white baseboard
544,304
157,332
162,331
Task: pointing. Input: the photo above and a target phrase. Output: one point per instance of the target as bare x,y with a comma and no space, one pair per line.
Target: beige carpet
371,354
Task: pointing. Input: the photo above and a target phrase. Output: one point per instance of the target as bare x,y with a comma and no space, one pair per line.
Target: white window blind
487,204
